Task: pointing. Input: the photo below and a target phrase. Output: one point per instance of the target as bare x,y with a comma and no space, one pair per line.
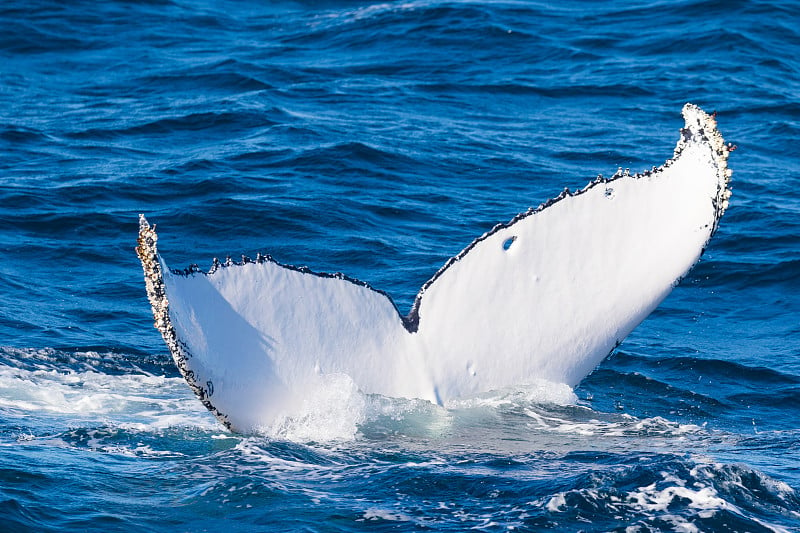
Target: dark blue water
379,140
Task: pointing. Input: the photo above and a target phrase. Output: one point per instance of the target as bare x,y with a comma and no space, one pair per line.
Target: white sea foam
142,399
374,513
623,425
675,500
347,16
537,392
331,408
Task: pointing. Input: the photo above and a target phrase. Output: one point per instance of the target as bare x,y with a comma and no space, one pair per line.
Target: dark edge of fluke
147,250
703,130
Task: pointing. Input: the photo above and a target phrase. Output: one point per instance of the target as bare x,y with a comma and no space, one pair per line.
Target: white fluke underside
544,297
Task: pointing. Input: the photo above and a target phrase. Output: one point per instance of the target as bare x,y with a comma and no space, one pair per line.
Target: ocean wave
447,489
104,363
139,393
16,134
30,38
692,389
90,394
45,389
138,440
230,123
230,75
681,495
756,265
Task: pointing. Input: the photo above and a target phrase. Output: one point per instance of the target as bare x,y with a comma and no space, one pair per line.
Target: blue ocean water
379,139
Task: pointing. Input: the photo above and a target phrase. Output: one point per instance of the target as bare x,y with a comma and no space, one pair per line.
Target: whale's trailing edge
546,296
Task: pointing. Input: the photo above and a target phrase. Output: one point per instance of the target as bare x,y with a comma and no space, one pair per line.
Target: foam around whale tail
545,296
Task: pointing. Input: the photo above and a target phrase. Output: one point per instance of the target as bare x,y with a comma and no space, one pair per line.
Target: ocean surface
378,140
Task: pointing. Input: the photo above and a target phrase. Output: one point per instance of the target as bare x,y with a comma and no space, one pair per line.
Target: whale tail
545,296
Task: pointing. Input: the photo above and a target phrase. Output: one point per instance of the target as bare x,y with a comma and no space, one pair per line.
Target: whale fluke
545,296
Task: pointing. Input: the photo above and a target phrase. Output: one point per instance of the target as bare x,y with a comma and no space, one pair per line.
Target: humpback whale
545,296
